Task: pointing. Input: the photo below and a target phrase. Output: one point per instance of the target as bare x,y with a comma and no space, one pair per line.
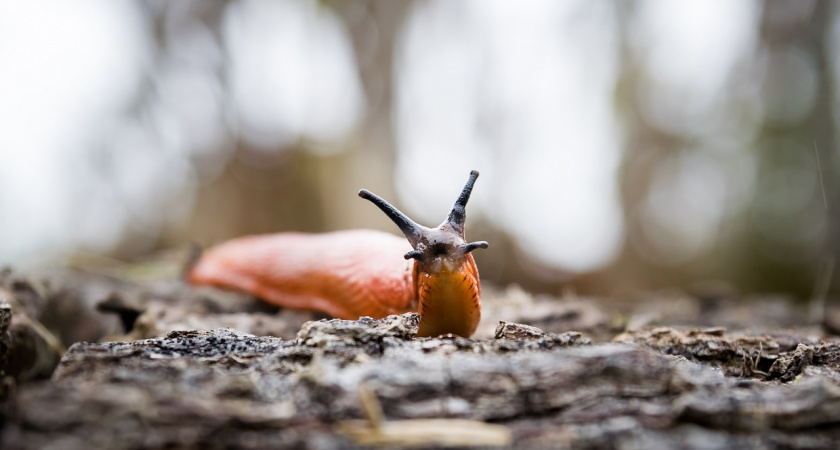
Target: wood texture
649,386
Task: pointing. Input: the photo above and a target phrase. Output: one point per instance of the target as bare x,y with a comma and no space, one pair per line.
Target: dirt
98,361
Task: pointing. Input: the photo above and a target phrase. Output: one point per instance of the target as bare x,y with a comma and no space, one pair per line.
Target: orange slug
354,273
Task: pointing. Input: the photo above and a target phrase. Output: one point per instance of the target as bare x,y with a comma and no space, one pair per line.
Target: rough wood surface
342,384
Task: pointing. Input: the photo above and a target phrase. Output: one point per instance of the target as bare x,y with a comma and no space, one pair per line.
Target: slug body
349,274
346,274
449,300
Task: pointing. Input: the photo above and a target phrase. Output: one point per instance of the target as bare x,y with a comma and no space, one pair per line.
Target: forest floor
93,360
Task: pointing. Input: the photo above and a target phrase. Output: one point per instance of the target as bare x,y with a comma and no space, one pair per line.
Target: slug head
434,248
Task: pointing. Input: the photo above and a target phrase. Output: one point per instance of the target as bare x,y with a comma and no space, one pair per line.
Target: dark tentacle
474,245
458,215
413,232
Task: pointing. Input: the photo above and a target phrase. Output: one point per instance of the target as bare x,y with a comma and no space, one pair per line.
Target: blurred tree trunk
808,143
374,28
741,254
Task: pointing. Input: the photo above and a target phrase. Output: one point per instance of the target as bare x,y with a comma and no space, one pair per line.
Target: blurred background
623,146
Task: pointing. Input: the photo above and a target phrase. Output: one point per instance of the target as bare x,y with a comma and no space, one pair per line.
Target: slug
355,273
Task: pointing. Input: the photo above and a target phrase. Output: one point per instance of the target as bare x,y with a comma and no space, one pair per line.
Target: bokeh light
622,146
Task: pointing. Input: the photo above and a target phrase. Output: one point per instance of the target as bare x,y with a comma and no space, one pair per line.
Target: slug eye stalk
412,231
458,215
445,241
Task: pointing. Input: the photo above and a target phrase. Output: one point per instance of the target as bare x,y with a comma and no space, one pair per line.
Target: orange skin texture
346,274
450,301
